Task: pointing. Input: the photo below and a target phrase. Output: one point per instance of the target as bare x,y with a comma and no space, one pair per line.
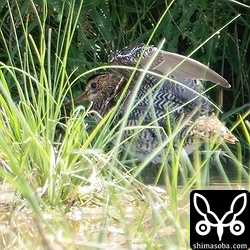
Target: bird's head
98,86
102,88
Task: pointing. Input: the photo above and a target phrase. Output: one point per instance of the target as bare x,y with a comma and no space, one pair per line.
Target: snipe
169,95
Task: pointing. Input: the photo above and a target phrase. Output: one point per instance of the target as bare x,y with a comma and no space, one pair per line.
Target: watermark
220,219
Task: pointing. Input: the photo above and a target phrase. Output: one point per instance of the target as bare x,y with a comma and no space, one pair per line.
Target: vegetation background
63,190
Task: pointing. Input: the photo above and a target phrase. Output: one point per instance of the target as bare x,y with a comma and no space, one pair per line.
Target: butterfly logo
203,227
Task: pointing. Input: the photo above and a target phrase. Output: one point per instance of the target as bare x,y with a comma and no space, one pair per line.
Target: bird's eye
93,85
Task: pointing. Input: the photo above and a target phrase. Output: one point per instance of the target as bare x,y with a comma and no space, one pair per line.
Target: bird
160,91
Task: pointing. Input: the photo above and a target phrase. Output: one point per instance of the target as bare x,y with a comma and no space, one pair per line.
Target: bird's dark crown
97,74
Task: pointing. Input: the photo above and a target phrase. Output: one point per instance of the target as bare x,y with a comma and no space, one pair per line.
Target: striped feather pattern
175,99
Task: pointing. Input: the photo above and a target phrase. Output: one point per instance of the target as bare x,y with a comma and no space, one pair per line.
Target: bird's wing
165,63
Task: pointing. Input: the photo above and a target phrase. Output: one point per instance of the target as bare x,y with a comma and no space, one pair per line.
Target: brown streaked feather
208,127
230,138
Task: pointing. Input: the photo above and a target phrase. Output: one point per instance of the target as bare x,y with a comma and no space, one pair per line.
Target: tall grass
72,187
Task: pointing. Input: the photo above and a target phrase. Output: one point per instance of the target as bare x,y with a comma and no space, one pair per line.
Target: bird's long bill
77,100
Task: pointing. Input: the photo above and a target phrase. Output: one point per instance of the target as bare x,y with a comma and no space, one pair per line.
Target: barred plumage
170,92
